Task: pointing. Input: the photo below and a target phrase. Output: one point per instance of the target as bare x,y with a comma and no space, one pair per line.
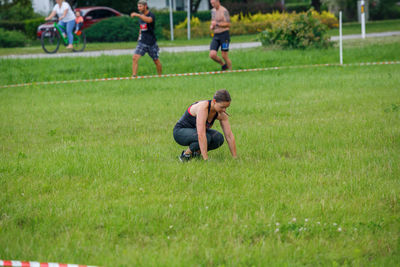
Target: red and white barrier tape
38,264
201,73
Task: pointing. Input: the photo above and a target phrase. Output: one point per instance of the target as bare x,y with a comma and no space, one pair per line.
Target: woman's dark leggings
188,137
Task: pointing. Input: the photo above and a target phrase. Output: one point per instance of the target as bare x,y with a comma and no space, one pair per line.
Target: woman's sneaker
184,157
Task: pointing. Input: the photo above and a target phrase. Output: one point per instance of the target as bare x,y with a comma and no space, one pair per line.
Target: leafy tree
16,10
316,4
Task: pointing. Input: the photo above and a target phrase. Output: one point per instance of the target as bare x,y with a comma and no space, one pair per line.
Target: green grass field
89,171
13,71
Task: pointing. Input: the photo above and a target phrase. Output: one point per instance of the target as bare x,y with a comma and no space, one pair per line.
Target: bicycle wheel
79,43
50,40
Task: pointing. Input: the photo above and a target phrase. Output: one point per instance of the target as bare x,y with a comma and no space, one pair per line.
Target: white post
363,19
188,19
171,19
340,38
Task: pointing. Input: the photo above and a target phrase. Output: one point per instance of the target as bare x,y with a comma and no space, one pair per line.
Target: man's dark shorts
152,50
221,40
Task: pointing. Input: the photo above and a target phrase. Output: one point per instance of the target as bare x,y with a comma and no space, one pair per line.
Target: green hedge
12,25
11,38
116,29
29,27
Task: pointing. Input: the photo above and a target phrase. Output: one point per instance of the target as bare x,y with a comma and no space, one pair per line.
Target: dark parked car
90,15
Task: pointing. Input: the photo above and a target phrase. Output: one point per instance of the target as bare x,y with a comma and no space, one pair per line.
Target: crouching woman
194,128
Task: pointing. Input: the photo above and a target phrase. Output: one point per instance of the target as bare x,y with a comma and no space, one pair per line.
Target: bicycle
51,39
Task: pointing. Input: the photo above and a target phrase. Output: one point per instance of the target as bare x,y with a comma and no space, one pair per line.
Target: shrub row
28,27
11,25
249,24
119,29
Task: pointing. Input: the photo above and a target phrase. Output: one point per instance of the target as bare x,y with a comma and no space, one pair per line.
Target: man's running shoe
224,67
184,157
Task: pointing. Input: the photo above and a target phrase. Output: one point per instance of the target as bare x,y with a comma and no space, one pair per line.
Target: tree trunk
316,4
194,5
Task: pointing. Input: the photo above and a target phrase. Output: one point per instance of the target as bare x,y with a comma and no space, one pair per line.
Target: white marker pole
188,19
340,38
171,19
363,19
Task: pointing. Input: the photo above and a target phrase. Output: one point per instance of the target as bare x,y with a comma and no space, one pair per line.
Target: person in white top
66,19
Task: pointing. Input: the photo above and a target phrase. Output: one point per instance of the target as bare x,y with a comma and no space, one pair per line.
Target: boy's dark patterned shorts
152,50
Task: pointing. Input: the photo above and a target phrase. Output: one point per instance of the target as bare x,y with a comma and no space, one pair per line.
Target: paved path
179,49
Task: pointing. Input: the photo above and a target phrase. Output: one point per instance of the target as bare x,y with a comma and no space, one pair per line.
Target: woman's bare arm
230,138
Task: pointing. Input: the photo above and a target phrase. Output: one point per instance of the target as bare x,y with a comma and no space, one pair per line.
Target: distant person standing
147,42
220,23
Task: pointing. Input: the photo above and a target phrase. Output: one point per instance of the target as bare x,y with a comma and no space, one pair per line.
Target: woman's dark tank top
189,121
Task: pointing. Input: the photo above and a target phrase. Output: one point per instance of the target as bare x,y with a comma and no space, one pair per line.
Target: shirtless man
220,23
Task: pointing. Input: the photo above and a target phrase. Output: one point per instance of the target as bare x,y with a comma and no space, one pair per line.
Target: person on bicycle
147,42
66,19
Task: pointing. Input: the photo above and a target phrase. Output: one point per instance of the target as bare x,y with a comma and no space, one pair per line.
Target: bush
11,39
297,31
194,22
203,15
201,30
162,18
326,18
